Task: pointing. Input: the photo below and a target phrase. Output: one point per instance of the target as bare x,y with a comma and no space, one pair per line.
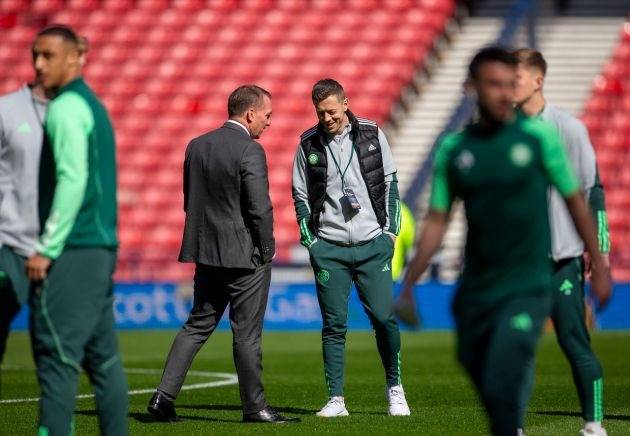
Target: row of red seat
226,6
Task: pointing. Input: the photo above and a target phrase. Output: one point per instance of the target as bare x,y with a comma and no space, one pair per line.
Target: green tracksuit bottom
496,345
369,267
14,289
567,314
72,328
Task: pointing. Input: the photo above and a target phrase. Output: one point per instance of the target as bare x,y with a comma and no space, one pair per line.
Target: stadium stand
607,116
568,85
164,70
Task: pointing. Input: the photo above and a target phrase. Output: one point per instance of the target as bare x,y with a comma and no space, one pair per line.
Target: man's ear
540,81
74,56
468,87
249,115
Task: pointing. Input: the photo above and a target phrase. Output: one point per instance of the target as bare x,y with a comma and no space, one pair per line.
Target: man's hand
587,263
600,272
37,267
601,283
405,307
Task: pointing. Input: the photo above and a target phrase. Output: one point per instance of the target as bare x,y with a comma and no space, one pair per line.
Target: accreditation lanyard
341,174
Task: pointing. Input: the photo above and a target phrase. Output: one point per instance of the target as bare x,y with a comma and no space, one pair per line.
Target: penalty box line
228,379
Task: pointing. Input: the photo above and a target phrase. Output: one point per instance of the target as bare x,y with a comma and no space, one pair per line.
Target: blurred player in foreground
567,249
501,167
72,322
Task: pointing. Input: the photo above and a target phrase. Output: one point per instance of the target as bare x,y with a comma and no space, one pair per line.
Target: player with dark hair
22,115
348,208
501,167
72,321
567,249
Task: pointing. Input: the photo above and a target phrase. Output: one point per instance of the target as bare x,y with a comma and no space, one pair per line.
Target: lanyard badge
349,196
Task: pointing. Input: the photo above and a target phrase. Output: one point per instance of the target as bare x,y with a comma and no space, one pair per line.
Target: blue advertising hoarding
294,307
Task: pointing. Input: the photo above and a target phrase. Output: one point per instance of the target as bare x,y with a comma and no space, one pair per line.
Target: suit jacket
229,217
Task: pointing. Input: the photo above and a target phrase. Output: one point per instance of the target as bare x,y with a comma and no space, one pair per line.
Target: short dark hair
491,54
245,97
531,58
325,88
63,31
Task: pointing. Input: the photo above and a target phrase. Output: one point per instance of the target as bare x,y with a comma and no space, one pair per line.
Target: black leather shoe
268,415
162,409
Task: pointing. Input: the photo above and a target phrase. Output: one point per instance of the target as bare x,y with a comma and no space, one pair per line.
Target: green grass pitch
441,399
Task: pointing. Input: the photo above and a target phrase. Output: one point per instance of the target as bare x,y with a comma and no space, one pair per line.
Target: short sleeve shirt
503,179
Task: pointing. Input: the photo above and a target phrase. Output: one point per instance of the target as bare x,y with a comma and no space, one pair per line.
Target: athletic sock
593,426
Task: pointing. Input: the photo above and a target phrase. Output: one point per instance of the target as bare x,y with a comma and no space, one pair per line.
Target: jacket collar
238,128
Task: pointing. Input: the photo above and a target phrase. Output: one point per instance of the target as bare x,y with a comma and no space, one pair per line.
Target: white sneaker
593,429
397,402
333,408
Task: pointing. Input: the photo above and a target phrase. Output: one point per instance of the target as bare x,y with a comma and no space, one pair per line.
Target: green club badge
312,158
521,155
522,322
323,276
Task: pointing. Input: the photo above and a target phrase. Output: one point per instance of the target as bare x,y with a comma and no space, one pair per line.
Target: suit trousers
246,291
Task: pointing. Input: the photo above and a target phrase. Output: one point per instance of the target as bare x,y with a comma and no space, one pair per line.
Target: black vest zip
364,136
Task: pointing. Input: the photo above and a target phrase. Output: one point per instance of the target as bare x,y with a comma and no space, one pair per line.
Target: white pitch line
229,379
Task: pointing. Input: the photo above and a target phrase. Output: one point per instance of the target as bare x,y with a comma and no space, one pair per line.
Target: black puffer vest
364,136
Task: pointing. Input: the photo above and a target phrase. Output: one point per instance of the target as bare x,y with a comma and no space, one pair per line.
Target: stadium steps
428,115
432,108
569,76
598,8
573,8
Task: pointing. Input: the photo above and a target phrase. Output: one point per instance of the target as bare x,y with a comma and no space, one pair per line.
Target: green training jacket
77,183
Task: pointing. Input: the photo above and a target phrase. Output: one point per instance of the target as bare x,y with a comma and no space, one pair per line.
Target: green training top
503,178
77,183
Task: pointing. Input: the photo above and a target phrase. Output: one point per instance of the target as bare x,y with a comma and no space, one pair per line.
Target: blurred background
164,69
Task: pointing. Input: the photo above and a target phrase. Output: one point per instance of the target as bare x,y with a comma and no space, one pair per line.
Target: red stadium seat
13,6
8,20
188,5
46,6
152,5
117,5
83,5
140,18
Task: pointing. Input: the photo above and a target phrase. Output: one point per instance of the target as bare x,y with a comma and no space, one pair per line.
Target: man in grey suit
229,236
